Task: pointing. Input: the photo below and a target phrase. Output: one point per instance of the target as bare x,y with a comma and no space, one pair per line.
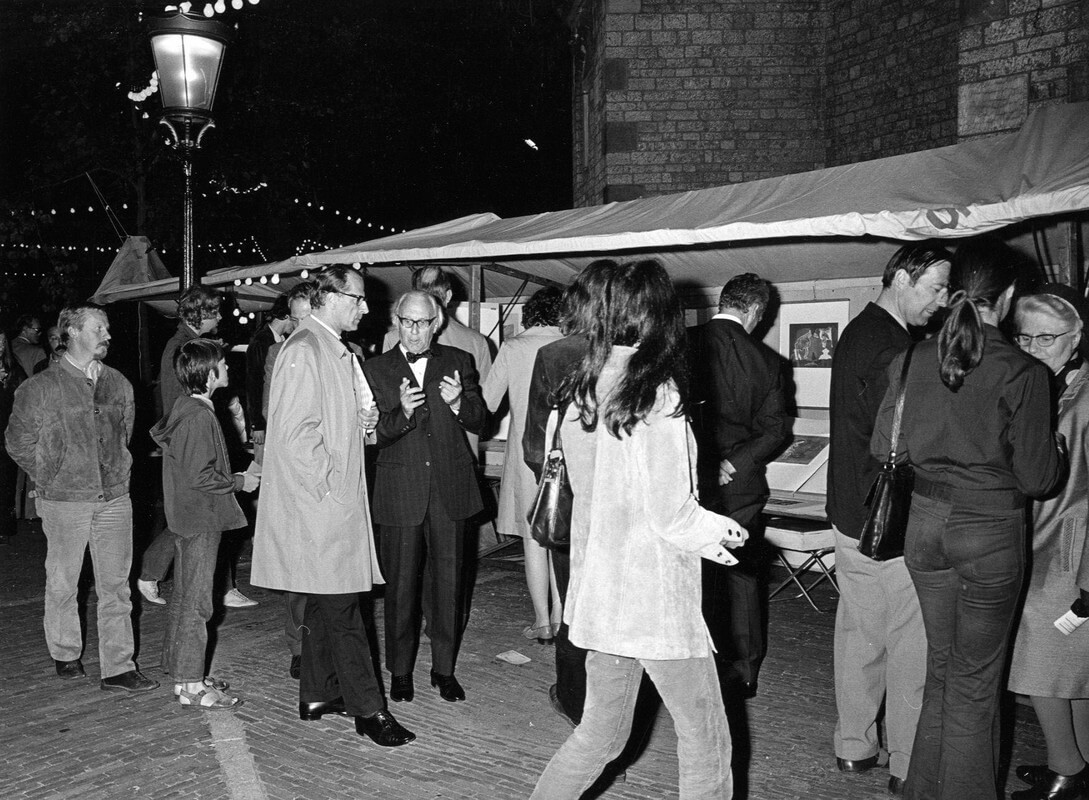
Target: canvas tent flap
135,264
841,222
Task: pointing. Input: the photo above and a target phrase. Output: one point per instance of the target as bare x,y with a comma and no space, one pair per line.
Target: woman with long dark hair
636,541
977,428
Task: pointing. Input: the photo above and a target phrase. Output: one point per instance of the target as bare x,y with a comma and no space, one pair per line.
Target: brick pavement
65,739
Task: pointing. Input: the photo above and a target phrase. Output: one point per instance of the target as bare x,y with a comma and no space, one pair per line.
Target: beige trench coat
313,530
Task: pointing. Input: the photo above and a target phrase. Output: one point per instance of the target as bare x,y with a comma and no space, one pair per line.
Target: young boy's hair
194,362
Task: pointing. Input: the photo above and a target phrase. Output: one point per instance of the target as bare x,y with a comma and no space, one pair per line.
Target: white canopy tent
843,222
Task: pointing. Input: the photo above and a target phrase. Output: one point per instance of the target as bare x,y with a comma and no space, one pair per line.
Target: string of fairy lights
246,245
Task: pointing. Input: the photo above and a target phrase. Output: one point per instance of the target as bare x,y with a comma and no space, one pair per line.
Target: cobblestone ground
64,739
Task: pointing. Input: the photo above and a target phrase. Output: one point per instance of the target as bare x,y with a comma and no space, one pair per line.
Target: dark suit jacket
739,412
554,361
256,354
430,449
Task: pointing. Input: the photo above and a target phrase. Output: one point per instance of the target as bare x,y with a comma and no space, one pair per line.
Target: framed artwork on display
808,335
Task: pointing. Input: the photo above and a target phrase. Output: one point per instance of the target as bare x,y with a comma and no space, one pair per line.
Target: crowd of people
666,434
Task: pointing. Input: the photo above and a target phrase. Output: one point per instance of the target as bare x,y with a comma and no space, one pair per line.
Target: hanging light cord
118,228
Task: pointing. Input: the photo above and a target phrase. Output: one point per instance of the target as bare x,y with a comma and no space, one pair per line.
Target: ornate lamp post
188,57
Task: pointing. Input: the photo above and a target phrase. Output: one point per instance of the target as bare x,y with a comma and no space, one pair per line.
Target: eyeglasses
360,299
1042,339
415,324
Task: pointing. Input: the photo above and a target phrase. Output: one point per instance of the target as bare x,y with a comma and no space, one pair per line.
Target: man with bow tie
313,532
426,487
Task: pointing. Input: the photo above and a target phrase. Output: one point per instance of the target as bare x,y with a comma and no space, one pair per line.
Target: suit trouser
336,657
879,654
570,658
734,598
70,528
440,541
294,621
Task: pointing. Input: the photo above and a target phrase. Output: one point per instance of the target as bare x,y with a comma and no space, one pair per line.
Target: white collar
731,317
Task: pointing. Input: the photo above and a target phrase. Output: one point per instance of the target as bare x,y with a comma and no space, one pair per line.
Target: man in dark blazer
740,424
425,489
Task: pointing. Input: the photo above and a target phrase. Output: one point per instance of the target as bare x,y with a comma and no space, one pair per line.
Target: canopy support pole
476,285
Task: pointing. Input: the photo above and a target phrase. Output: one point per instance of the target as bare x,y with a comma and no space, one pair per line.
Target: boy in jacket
198,495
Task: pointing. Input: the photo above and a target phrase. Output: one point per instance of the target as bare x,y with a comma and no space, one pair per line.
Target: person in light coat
637,537
510,376
314,531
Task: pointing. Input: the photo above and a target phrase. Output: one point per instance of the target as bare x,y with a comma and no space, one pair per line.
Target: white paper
1069,622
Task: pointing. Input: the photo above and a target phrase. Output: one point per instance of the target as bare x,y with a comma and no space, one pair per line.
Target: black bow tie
414,357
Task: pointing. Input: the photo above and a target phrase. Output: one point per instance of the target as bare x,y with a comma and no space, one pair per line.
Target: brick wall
892,75
588,113
1016,55
676,95
703,93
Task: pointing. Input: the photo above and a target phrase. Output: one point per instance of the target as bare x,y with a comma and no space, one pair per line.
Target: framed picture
808,335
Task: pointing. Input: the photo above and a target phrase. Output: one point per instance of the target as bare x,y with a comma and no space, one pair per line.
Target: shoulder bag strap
899,414
557,442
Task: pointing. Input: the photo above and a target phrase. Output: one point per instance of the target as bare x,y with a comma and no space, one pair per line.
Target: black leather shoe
401,688
449,688
132,681
859,765
896,786
313,711
295,670
383,729
1032,774
1054,786
70,669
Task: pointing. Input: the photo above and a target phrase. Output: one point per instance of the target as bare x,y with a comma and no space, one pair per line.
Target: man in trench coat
313,531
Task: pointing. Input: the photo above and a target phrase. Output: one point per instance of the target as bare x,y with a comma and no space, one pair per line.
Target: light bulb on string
304,274
237,281
264,278
276,278
209,11
220,6
252,315
249,281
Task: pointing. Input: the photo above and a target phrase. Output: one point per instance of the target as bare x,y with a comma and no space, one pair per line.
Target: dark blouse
993,434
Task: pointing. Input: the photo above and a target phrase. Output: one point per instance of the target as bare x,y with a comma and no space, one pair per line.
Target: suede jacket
71,434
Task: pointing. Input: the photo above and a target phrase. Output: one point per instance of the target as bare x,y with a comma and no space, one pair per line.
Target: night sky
399,113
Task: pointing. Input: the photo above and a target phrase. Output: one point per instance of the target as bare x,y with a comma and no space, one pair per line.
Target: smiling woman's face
1038,321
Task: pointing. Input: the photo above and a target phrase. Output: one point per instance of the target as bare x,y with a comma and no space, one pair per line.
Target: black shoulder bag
889,500
550,515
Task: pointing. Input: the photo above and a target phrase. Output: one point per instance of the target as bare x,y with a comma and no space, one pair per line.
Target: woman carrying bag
977,430
637,536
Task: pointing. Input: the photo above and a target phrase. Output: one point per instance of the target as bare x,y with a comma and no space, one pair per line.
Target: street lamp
188,57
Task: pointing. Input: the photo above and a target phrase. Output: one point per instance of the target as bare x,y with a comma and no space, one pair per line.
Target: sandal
543,634
215,683
209,697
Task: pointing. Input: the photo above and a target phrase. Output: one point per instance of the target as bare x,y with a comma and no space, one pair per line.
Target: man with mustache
69,429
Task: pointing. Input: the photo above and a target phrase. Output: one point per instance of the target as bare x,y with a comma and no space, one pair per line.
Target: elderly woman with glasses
1050,660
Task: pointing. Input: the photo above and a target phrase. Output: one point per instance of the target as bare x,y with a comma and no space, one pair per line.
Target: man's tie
414,357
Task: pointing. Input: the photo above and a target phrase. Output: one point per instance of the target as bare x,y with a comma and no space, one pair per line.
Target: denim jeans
185,641
70,528
967,565
688,687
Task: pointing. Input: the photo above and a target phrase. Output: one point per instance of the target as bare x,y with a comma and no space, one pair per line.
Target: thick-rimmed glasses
360,299
1042,339
415,324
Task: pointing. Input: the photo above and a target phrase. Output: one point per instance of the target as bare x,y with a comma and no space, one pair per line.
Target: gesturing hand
368,417
412,397
451,388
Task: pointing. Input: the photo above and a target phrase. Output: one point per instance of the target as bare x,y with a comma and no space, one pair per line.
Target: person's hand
259,437
368,417
412,397
250,481
726,472
451,388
